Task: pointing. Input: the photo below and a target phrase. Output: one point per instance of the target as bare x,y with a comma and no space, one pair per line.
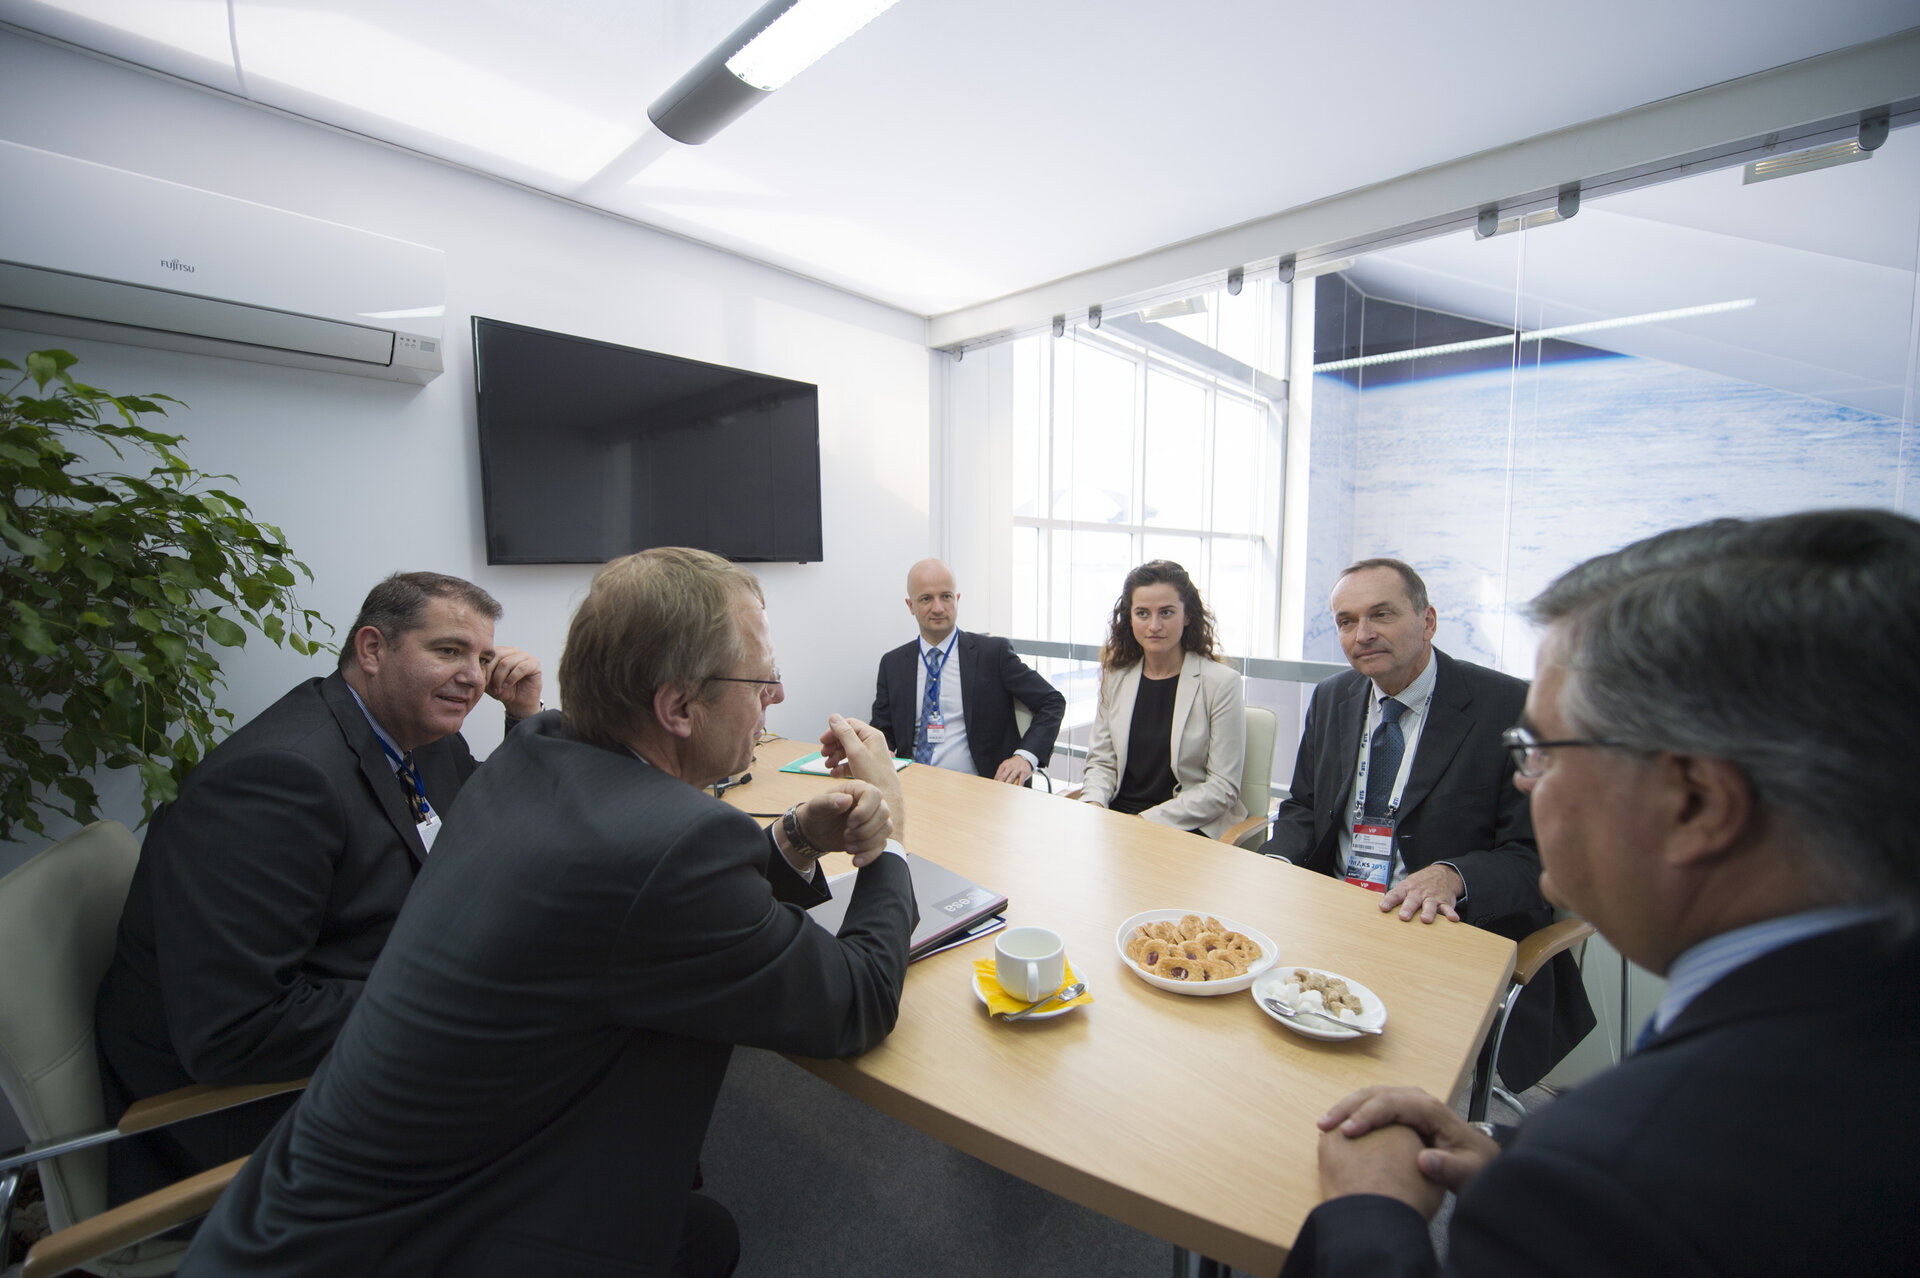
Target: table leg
1191,1264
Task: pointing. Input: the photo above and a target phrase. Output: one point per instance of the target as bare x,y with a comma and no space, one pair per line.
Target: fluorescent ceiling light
799,38
1535,335
781,39
1174,310
1818,157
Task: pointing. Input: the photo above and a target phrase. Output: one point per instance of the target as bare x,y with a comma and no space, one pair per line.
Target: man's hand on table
1436,1149
1014,771
858,751
1427,892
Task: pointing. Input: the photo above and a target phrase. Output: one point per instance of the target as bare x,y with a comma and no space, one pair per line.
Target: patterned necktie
929,704
410,785
1383,761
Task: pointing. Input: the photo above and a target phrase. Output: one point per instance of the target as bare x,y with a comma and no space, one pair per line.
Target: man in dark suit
526,1080
970,725
1718,749
265,891
1426,815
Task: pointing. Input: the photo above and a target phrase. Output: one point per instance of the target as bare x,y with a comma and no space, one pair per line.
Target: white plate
1232,985
1062,1010
1373,1012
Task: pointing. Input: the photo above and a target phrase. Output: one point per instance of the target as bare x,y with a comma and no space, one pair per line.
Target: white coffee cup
1029,962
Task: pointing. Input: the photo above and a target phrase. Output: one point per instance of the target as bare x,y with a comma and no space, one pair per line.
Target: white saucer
1062,1010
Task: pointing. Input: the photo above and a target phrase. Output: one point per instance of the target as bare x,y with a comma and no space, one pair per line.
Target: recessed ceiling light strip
1535,335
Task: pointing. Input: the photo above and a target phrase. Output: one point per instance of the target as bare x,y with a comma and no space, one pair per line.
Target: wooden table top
1190,1118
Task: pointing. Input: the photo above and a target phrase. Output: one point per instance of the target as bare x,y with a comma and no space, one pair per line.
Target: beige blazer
1209,745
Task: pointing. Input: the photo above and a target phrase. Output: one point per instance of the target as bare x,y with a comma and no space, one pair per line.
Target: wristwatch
790,826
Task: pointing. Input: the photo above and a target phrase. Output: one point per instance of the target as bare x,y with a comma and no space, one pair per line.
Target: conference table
1189,1118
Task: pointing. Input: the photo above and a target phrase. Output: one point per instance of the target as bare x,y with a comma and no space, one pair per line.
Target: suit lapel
1184,695
1123,715
374,768
968,653
1337,764
1448,725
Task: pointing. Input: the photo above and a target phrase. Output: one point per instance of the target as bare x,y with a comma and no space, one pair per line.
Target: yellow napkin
998,1000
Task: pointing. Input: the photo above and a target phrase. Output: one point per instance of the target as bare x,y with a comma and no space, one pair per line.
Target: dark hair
1122,649
1785,646
1416,588
399,604
661,618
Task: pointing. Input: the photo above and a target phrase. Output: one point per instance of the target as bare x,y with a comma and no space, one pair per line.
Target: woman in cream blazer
1162,631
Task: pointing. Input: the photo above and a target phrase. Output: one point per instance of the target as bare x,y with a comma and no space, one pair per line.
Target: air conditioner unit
92,251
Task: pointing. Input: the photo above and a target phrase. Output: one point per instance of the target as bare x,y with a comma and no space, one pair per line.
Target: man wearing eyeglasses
1401,788
525,1083
1718,749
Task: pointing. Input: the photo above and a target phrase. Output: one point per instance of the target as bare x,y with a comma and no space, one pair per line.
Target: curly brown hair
1122,649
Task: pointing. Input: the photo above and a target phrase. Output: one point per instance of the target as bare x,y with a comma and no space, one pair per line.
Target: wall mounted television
589,451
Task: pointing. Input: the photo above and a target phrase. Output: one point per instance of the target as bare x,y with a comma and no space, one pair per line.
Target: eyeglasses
1529,755
765,683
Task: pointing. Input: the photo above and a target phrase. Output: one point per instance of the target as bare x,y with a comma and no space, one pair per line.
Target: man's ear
1715,810
369,646
673,708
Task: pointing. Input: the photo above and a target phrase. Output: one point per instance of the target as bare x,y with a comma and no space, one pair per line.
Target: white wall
367,477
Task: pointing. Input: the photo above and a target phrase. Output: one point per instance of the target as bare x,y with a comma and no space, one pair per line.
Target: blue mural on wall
1492,480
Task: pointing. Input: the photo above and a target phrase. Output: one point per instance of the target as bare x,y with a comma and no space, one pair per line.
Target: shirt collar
1415,694
1702,966
393,752
952,638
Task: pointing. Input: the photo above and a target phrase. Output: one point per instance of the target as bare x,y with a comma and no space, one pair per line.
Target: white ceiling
958,150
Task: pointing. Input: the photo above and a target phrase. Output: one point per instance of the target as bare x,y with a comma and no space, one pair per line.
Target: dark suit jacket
990,675
526,1081
262,897
1769,1131
1460,807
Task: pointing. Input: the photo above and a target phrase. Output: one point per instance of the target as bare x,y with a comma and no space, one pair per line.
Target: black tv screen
589,451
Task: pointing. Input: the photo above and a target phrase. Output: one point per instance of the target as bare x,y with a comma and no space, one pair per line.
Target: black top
1148,781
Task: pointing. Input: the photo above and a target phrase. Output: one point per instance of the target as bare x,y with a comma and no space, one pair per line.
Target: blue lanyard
406,769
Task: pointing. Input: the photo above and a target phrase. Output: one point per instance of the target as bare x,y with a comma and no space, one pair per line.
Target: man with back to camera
1426,814
525,1083
947,697
265,890
1718,749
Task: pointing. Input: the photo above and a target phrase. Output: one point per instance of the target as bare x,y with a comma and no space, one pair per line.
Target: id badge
429,829
936,727
1371,859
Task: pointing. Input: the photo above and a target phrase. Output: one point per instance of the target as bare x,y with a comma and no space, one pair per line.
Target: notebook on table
952,908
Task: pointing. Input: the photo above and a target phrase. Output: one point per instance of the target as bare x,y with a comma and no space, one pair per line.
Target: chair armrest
1538,948
191,1102
1074,793
1237,834
129,1223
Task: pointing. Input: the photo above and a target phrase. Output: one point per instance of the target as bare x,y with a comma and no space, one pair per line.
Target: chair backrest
1022,717
1256,778
58,915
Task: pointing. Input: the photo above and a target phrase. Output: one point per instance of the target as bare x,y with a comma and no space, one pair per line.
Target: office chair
1256,779
1537,950
1022,720
58,916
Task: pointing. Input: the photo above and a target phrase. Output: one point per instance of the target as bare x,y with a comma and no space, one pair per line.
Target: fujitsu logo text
175,264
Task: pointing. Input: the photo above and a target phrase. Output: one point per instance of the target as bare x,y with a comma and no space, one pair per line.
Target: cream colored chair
1022,720
1256,779
58,916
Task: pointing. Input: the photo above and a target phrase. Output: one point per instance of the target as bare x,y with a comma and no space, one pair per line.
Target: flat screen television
589,451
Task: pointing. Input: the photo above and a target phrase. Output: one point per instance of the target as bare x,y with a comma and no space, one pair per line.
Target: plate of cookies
1191,952
1308,989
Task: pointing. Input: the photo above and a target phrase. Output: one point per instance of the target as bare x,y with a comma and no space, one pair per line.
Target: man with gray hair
1718,749
526,1081
266,889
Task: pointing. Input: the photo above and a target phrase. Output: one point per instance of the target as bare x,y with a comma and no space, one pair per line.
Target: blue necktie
1383,761
929,704
1647,1034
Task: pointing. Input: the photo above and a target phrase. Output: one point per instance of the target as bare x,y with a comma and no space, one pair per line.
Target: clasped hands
1400,1142
861,813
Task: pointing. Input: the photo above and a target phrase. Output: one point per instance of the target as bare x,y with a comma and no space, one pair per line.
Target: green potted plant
116,591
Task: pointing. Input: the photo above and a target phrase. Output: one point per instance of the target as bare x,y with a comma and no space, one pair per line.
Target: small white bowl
1206,989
